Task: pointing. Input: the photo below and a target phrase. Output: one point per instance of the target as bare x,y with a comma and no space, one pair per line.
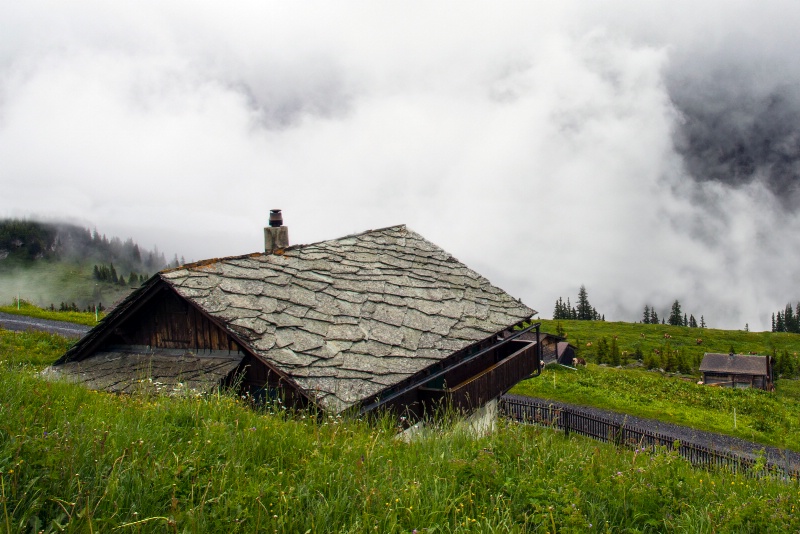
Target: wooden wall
169,322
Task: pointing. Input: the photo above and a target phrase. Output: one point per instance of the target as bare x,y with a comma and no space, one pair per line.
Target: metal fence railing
531,411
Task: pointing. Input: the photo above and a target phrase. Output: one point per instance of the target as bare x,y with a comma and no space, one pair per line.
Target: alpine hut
737,371
383,318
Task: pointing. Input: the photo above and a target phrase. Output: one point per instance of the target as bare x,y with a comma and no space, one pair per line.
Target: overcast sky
649,150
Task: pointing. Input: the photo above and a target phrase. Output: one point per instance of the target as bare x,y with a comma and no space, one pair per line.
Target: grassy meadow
73,460
31,310
649,338
46,282
772,418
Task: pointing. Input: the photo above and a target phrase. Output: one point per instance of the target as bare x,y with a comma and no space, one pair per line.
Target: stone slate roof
347,318
145,371
739,364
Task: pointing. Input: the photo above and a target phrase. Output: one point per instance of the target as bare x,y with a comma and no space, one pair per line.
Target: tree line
107,273
787,320
583,311
32,240
676,317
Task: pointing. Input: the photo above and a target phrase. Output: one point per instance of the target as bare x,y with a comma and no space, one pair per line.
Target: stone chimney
276,235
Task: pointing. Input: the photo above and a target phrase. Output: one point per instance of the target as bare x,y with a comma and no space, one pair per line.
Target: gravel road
23,322
684,434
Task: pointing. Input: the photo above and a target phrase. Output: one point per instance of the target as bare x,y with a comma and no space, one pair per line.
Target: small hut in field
737,371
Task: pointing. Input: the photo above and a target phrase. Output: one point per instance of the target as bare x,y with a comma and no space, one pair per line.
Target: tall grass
80,461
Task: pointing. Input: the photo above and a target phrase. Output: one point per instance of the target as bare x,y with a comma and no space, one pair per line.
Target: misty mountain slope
51,263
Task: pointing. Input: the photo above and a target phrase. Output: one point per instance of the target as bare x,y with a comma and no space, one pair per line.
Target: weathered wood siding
471,385
170,322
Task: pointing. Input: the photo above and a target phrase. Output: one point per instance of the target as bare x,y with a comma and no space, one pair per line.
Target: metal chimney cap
275,218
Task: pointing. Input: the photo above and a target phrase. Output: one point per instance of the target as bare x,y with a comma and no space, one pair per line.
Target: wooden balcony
513,362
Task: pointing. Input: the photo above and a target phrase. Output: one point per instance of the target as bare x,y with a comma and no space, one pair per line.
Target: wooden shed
737,370
383,318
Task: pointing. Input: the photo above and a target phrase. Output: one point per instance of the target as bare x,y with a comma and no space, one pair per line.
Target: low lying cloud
651,155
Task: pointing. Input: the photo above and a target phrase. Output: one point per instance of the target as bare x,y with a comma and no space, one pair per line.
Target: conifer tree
585,310
670,363
646,315
614,356
683,363
789,319
675,316
602,351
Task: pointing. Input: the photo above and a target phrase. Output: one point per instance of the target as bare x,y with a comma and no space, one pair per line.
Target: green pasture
74,460
772,418
46,282
648,338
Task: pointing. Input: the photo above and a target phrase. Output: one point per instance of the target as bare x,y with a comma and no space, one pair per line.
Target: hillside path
685,434
23,322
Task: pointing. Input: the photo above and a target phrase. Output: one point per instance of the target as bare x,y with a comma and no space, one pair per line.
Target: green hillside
657,342
772,418
52,282
63,265
81,461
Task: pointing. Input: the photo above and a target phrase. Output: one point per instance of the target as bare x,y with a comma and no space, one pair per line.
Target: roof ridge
211,261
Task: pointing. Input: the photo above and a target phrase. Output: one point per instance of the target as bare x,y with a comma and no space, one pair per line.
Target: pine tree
614,356
646,315
702,322
683,363
653,317
602,351
685,320
789,365
670,363
692,322
778,359
773,322
789,319
585,311
675,318
557,312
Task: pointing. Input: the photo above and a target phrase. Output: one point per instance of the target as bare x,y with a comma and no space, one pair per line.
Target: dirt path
23,322
685,434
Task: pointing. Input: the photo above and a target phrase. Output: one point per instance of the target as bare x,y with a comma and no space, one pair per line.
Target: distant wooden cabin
737,371
381,319
555,349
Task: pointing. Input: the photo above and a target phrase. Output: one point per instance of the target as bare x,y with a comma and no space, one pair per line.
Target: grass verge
764,417
81,461
31,310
